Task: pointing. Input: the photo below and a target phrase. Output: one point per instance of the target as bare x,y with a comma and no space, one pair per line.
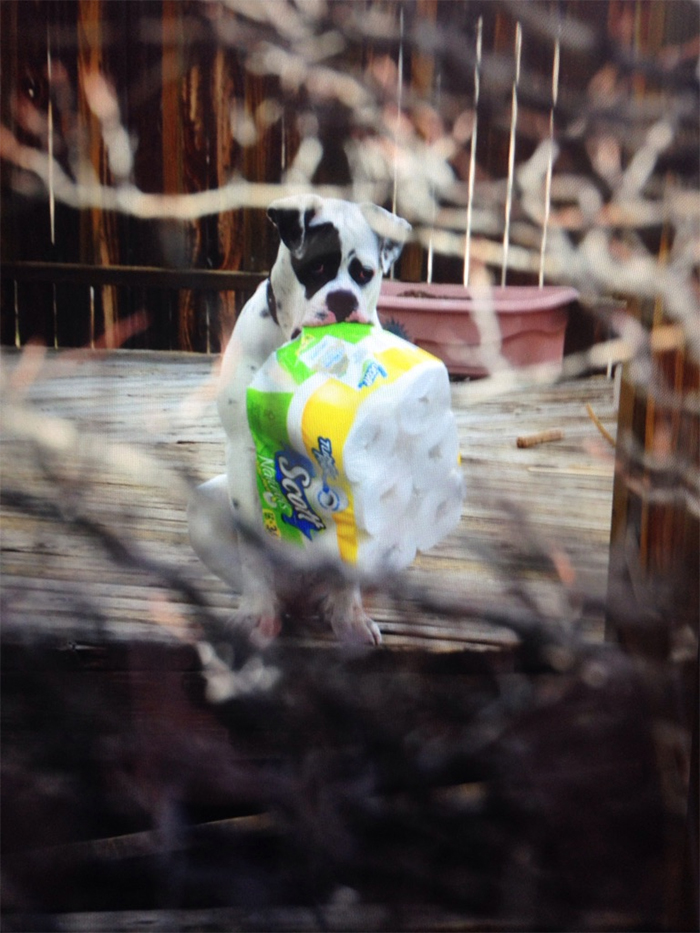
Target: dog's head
331,260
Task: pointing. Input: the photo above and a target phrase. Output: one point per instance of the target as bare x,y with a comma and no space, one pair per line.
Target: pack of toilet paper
356,445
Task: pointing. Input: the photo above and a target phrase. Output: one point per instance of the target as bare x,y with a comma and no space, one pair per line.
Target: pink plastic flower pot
443,320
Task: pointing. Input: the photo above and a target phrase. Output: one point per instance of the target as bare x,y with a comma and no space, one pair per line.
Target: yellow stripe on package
357,455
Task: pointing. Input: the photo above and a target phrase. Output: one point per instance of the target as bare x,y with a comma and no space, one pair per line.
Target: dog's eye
316,270
318,265
361,274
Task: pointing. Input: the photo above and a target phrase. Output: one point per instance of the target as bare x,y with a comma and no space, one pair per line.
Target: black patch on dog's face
363,275
289,224
271,309
320,259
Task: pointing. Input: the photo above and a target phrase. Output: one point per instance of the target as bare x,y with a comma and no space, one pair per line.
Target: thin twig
601,427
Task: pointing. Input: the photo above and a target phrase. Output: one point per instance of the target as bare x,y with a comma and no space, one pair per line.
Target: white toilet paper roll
391,552
371,440
434,454
380,500
438,510
424,393
442,422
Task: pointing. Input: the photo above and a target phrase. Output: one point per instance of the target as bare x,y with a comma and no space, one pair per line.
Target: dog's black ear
392,232
292,217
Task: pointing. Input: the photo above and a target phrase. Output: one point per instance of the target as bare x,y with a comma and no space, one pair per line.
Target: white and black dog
329,269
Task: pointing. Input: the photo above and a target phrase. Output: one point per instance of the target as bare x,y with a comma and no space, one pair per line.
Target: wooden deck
533,517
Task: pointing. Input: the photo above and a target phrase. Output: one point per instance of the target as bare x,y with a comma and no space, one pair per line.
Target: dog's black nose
341,304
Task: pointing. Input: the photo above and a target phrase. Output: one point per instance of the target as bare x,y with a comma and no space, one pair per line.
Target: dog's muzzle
342,305
339,306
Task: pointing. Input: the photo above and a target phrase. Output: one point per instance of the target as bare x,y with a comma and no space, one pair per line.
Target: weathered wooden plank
522,505
133,276
226,920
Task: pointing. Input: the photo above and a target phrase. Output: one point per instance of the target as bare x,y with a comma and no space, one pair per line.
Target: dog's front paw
362,630
349,621
259,623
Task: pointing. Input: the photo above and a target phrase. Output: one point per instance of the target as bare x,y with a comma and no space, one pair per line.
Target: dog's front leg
342,609
259,611
253,339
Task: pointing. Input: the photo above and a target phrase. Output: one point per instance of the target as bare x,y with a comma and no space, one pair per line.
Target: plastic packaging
357,454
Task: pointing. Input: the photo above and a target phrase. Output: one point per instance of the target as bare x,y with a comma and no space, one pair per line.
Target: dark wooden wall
174,92
188,100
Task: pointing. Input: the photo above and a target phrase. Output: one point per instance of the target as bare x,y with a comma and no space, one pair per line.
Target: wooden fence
200,110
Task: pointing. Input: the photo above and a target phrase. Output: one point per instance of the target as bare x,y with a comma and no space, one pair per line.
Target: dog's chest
255,336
